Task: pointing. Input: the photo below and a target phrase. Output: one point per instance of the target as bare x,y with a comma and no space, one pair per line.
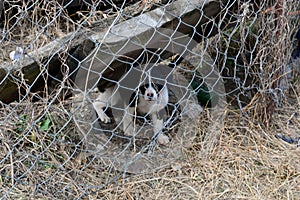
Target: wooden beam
71,50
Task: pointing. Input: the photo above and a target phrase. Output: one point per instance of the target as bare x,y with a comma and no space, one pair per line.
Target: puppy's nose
150,95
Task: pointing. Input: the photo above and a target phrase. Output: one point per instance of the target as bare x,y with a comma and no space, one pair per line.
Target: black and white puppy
148,99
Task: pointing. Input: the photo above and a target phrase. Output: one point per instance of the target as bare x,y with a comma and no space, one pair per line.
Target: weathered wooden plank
181,15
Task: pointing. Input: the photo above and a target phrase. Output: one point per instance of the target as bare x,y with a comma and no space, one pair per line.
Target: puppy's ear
158,87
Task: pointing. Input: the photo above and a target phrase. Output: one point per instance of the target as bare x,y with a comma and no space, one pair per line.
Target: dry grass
248,162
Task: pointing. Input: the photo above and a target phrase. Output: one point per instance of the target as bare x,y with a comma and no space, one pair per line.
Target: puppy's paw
98,106
163,139
104,118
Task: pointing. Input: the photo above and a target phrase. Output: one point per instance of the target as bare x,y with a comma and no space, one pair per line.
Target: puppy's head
150,93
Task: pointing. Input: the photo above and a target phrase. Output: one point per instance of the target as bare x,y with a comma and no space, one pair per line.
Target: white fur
105,99
149,103
150,106
161,138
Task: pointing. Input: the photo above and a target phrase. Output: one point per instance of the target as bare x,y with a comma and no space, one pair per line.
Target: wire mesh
66,63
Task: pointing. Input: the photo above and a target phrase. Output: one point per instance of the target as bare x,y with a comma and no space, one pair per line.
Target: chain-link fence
96,92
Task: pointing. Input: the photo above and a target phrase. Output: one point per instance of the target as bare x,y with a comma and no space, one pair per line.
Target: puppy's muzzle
150,96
